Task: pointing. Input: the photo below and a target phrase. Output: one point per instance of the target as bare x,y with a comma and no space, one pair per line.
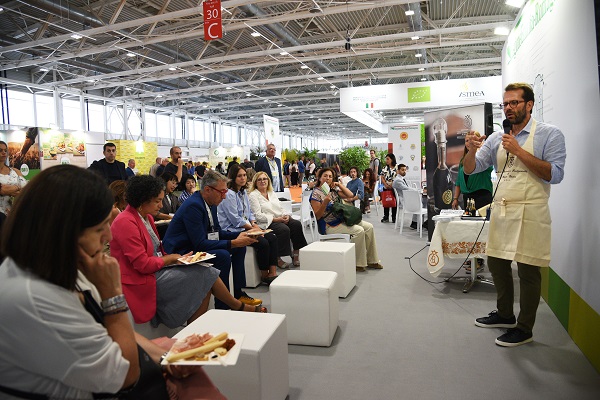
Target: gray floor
400,337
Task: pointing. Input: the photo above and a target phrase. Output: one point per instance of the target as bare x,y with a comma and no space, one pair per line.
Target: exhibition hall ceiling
287,59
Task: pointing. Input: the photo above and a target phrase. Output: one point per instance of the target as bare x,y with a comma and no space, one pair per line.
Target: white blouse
12,178
265,210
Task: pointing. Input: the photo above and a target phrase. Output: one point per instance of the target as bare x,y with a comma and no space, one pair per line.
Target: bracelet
122,304
162,358
117,311
455,198
111,301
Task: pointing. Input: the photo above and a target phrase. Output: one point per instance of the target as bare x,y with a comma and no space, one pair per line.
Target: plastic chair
285,194
399,200
330,236
412,205
305,213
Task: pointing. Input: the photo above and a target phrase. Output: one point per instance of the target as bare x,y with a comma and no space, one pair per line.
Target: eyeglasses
262,179
223,192
512,103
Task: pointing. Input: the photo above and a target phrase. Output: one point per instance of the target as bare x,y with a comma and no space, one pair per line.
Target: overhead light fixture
128,88
332,87
404,117
130,54
414,38
43,69
172,69
421,69
284,53
279,105
409,12
255,34
265,101
515,3
228,88
418,55
304,66
222,110
251,117
91,80
248,94
76,36
320,78
158,96
423,79
292,109
203,79
501,30
205,106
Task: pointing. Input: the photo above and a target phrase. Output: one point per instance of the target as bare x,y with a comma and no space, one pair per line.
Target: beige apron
520,220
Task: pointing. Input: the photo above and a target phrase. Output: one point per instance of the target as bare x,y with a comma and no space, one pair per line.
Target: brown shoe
251,301
376,266
361,269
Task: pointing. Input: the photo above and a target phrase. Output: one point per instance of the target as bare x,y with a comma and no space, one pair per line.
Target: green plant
310,154
256,152
289,154
381,155
354,157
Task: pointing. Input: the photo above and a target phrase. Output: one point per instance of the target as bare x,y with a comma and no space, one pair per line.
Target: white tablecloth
454,239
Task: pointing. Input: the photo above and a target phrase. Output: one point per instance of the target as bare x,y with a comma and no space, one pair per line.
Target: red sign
213,25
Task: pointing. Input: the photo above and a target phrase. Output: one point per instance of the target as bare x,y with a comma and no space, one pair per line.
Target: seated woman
235,215
370,184
157,290
170,202
11,181
268,212
190,188
362,234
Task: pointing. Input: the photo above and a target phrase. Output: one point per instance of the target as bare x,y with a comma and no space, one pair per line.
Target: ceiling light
91,80
404,117
251,117
304,66
418,55
423,79
228,88
44,69
501,30
409,12
320,78
205,106
172,69
421,69
158,96
128,88
203,79
279,105
292,109
515,3
414,38
76,36
284,53
265,101
222,110
248,94
130,54
332,87
255,34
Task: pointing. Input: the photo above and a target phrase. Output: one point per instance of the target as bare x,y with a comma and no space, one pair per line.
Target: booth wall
553,48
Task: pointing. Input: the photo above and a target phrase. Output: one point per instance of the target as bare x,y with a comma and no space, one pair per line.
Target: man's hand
243,240
510,144
473,140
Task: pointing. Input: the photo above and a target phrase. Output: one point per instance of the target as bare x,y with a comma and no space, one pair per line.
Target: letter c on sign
210,34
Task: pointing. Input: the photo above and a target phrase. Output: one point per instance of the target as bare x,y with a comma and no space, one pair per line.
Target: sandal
258,309
296,260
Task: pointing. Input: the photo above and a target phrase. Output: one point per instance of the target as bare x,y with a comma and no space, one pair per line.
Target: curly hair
143,188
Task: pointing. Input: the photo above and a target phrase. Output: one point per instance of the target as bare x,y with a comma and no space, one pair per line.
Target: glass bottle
442,182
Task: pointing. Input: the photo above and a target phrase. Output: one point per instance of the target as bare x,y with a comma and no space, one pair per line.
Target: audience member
269,214
370,184
362,234
161,168
190,188
388,173
401,185
195,227
130,170
154,167
177,168
301,170
355,185
109,167
271,165
235,215
11,181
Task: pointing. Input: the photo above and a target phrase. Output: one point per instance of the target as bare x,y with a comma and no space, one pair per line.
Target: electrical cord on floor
472,247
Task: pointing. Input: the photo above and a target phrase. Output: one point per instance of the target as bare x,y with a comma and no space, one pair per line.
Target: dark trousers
266,251
286,232
530,284
386,212
226,261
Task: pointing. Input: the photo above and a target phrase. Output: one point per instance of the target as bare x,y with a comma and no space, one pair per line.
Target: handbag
347,213
388,199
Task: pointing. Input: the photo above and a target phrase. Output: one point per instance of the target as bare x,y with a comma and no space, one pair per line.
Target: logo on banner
419,94
213,24
413,146
404,136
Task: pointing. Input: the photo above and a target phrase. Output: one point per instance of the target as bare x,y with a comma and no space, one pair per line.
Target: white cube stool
251,268
332,256
262,369
310,303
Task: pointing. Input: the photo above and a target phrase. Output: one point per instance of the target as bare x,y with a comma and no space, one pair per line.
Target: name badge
159,254
213,235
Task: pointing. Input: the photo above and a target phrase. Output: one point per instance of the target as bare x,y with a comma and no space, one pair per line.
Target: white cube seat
332,256
251,268
309,300
262,368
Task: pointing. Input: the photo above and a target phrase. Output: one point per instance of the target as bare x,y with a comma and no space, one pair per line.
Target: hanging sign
213,25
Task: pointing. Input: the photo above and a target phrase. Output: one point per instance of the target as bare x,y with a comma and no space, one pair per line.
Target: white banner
272,135
406,145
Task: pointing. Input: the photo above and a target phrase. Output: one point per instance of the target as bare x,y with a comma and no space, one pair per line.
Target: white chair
376,201
285,194
399,200
330,236
305,213
412,205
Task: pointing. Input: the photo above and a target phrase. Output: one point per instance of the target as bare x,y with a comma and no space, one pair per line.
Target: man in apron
528,159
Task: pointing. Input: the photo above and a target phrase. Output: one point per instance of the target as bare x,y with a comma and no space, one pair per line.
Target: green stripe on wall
559,297
584,328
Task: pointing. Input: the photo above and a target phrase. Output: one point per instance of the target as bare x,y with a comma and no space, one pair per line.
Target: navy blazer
263,165
189,228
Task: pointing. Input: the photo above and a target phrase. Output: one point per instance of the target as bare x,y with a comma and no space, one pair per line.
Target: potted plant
354,157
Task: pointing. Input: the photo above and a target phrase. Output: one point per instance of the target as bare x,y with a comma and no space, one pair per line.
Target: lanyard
210,218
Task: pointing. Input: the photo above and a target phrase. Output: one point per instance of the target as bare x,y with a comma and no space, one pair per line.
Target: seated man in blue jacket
194,228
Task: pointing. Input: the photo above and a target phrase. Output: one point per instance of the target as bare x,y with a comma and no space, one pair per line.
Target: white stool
149,332
262,369
332,256
252,271
310,303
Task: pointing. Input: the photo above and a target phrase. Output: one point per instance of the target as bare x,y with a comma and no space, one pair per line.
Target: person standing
530,157
200,169
388,173
177,168
247,164
271,165
161,167
130,170
301,170
286,174
294,173
233,162
311,168
108,167
374,163
154,167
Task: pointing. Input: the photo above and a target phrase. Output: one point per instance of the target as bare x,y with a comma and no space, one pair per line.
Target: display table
455,238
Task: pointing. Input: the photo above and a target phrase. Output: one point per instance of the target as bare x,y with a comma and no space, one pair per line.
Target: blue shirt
301,167
234,211
357,187
548,145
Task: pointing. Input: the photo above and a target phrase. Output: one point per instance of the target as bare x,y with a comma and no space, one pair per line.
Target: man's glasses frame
512,103
223,192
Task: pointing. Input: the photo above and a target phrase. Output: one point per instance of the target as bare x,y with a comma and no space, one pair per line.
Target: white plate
228,359
259,233
202,259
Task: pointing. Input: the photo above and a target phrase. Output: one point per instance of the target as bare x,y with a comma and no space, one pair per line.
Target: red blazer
132,247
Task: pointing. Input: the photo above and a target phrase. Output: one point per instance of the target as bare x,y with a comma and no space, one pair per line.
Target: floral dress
11,179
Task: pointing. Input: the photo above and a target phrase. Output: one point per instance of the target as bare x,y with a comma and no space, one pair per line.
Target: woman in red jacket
157,287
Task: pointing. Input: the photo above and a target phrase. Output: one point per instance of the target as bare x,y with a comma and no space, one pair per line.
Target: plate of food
205,349
198,257
259,233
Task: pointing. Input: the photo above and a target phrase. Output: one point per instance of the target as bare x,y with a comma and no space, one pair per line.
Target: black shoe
267,280
514,337
493,320
385,219
425,223
413,225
